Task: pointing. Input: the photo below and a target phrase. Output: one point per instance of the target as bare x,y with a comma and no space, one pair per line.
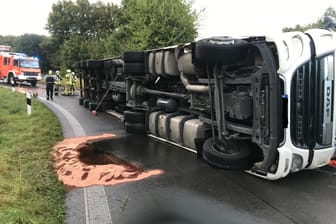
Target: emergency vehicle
18,67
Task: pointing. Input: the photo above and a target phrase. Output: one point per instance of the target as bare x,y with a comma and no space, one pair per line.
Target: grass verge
29,189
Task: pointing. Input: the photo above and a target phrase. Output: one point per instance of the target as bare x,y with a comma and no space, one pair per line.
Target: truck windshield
29,63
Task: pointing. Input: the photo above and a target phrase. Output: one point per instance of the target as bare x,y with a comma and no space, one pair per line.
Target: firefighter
68,82
50,80
58,80
73,80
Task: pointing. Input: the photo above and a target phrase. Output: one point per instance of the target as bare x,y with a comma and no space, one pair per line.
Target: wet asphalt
189,190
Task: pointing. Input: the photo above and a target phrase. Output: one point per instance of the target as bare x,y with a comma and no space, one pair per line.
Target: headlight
297,162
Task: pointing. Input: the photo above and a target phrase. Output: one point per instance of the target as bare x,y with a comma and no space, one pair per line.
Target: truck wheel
81,100
86,102
134,56
33,83
135,128
238,155
93,106
11,80
135,69
220,50
134,116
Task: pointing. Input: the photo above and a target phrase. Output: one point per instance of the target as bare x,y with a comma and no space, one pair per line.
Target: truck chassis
261,104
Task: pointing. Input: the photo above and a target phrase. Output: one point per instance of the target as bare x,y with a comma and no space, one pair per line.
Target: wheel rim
11,80
239,158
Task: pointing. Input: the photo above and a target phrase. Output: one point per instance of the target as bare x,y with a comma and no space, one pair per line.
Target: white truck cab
307,69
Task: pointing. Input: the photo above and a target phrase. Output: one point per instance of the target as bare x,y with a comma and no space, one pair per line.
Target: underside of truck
221,97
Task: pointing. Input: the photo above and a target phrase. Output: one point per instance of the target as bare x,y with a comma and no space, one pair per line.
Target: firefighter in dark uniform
50,81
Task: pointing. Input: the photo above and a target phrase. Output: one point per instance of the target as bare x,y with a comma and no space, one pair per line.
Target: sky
220,17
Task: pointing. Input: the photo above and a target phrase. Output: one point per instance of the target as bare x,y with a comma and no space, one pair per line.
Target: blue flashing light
36,57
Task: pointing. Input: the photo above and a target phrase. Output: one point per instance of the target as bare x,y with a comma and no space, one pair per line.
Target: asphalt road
189,190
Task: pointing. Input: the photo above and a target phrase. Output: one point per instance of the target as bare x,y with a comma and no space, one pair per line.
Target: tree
74,27
146,24
318,24
51,49
81,18
61,20
72,50
330,12
7,40
79,48
29,44
80,30
105,19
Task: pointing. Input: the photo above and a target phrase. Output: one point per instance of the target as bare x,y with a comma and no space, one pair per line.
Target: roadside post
28,100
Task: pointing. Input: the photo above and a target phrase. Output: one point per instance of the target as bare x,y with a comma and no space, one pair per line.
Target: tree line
319,23
83,30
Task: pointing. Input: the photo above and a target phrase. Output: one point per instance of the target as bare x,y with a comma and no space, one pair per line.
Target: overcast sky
221,17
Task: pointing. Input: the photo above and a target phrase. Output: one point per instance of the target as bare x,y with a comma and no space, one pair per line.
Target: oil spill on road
78,164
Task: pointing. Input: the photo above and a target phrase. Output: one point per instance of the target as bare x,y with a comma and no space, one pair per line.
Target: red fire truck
18,67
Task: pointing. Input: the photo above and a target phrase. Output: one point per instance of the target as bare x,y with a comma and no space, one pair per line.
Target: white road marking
97,210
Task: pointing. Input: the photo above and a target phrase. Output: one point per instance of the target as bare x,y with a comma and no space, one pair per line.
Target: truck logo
327,101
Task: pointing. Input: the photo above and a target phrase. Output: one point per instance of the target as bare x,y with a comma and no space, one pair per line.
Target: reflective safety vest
73,79
68,79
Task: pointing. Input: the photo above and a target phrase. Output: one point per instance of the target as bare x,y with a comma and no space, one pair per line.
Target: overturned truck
264,104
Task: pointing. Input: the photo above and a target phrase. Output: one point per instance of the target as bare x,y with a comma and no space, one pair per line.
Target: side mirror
329,22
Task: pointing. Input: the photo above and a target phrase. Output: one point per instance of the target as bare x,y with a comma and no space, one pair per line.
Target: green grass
29,189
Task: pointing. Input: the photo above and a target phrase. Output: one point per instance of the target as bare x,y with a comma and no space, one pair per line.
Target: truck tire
134,69
81,100
135,128
240,156
134,116
86,102
224,50
11,80
33,83
134,57
93,106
